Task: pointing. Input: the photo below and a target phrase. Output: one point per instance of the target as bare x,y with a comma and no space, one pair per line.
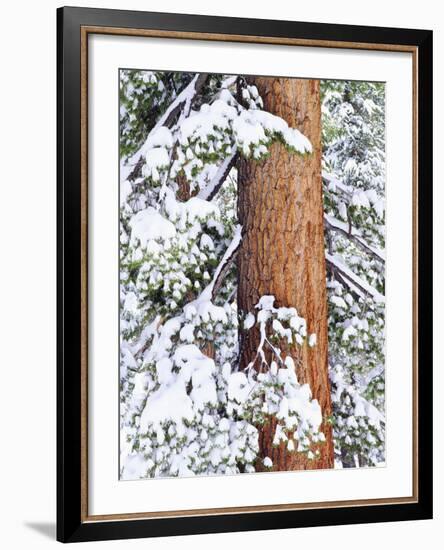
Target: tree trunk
281,210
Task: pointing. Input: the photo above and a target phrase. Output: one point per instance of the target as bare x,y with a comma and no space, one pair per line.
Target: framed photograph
244,274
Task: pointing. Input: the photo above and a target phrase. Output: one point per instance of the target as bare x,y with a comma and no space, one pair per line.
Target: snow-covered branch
183,103
355,283
333,224
353,196
337,185
210,190
211,289
374,373
225,264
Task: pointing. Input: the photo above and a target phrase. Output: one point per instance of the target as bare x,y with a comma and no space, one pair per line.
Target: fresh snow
148,225
358,284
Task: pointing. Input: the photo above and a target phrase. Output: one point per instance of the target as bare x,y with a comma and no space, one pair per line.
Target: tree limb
355,283
223,268
210,190
224,271
332,224
344,189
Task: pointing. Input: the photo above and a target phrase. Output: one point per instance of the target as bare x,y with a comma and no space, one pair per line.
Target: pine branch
374,373
230,255
344,189
224,271
355,283
211,190
353,290
182,103
332,224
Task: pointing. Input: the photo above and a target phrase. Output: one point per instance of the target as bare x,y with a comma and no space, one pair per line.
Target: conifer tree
188,406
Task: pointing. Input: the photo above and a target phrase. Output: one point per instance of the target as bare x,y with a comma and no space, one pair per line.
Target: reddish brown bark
183,191
208,350
281,210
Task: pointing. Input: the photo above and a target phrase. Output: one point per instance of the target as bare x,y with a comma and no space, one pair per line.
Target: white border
107,495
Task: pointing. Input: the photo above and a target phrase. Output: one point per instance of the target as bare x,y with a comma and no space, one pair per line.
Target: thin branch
353,290
333,224
355,283
225,264
344,189
224,271
370,376
211,190
231,296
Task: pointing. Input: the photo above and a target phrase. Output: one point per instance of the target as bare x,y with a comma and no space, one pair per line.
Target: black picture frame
71,525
